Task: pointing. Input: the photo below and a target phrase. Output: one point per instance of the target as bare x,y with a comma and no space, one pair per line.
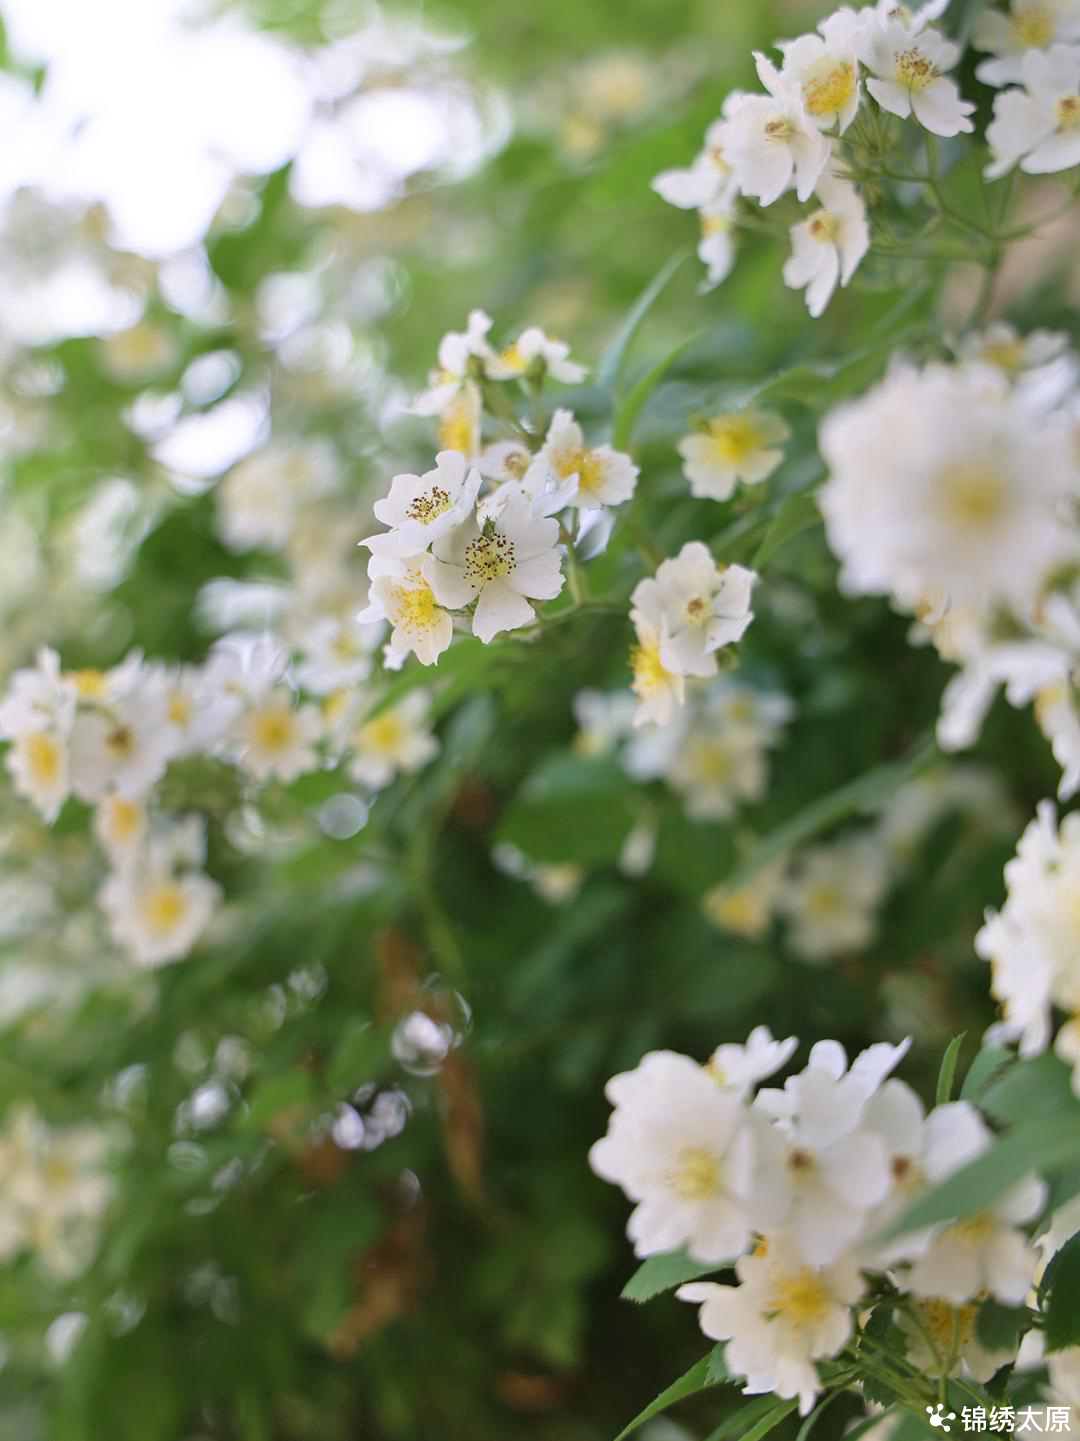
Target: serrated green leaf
629,411
610,368
657,1274
947,1074
694,1380
796,514
1063,1310
1045,1146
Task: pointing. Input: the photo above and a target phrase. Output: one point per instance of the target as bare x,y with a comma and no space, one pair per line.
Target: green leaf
610,369
1063,1311
629,411
770,1421
1046,1145
694,1380
990,1061
571,810
999,1327
947,1074
1039,1087
862,794
463,658
663,1273
796,514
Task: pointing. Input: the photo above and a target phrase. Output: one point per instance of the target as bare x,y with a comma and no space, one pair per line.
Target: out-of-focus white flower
716,247
938,1331
695,607
37,762
741,446
984,1252
659,690
739,1068
771,142
708,182
748,910
678,1146
831,897
453,392
260,499
275,738
159,905
907,71
592,475
400,594
123,742
943,482
397,741
337,651
501,564
121,828
535,352
1037,126
826,247
604,718
420,509
825,68
1026,25
782,1316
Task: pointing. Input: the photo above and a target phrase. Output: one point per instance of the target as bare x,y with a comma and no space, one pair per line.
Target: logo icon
940,1417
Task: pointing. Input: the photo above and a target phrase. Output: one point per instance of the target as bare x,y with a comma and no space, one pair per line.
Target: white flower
716,247
771,142
983,1252
275,738
595,476
37,762
461,353
908,75
695,606
1027,25
781,1317
421,508
499,564
832,896
1032,943
821,1171
400,594
156,908
943,482
1038,126
748,910
939,1331
738,1068
120,827
826,247
124,743
826,70
337,652
39,698
397,741
658,689
603,718
535,351
260,499
741,446
678,1146
708,182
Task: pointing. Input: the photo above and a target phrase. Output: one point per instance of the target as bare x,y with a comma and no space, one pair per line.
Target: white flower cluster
448,547
107,737
794,1187
1033,943
952,489
55,1192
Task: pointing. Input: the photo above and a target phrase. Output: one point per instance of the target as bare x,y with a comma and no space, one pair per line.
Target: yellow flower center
273,729
938,1319
593,472
972,1230
488,557
800,1298
733,437
164,906
1067,112
973,496
512,358
824,227
42,756
1007,355
123,818
429,506
1033,26
456,426
715,224
914,70
650,674
779,129
415,608
89,684
695,1175
384,733
829,88
180,709
121,741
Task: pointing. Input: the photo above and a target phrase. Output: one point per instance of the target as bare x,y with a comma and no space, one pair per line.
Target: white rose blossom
907,75
828,245
1037,126
771,142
